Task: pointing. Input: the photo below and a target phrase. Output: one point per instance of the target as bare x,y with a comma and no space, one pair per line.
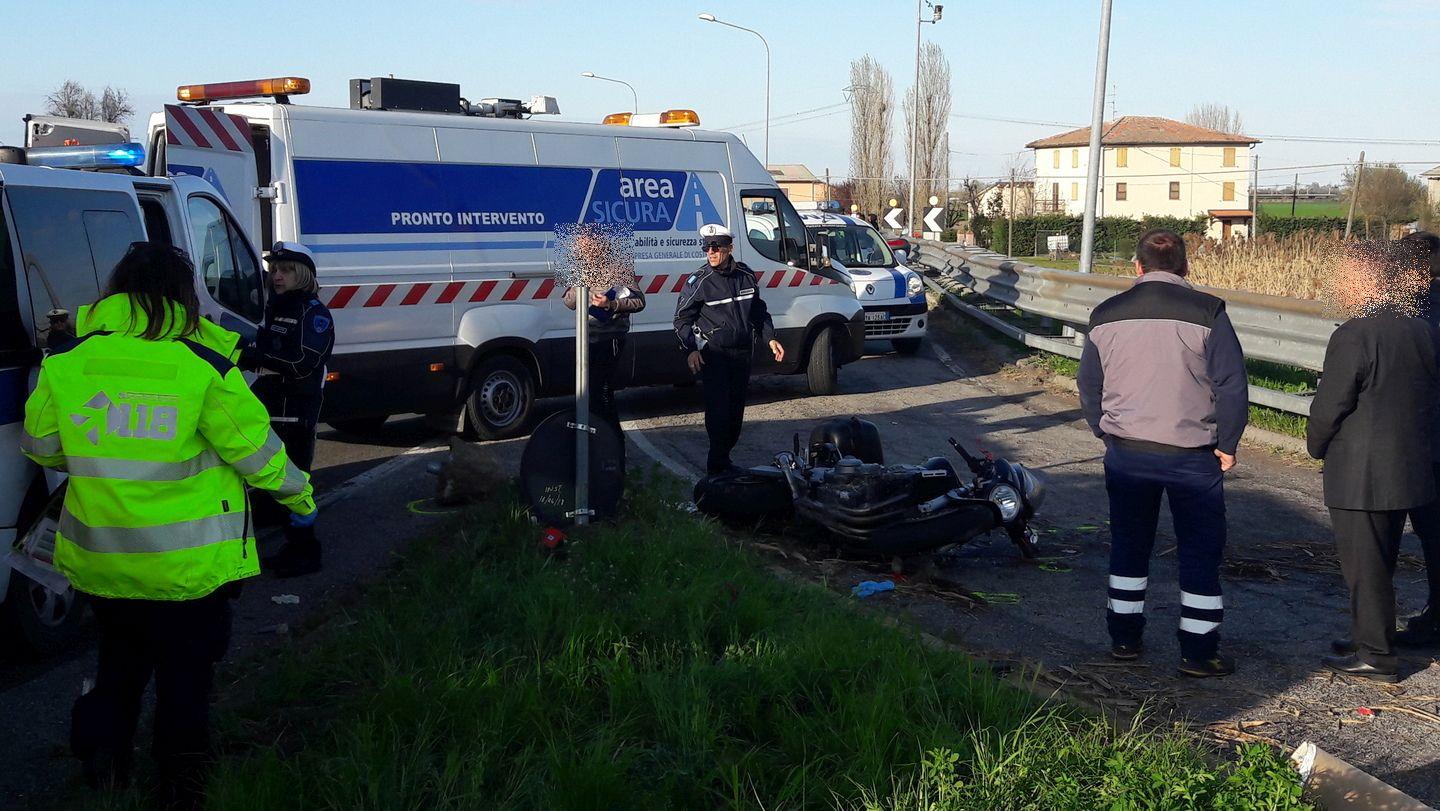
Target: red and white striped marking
361,296
205,128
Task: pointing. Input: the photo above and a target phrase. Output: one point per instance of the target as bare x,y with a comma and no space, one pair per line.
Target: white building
1432,186
1150,167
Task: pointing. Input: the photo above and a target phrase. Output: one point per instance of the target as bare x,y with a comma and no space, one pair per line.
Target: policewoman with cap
719,315
290,351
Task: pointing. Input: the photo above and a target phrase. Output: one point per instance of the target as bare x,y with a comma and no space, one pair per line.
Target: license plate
880,316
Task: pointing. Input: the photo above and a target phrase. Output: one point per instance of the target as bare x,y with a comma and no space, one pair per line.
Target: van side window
774,227
224,261
70,240
15,343
157,224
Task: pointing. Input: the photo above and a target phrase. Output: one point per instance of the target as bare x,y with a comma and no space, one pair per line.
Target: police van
892,295
432,219
61,233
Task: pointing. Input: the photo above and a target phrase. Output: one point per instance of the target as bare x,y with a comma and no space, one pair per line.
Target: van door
226,264
217,147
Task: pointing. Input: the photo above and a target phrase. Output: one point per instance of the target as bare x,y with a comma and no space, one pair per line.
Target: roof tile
1143,129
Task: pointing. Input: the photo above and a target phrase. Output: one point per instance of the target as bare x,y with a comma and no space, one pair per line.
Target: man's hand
695,361
777,350
1227,460
599,300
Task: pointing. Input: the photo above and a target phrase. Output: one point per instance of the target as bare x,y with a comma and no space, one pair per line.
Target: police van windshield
856,246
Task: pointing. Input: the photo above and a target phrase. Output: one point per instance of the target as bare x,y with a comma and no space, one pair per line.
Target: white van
435,231
891,293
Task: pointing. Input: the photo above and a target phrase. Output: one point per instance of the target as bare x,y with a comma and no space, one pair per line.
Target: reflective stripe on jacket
159,438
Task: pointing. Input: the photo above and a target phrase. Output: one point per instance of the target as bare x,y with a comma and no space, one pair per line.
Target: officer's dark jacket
720,309
295,342
1372,414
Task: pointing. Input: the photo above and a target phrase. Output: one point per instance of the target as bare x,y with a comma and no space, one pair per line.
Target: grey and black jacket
720,309
628,300
1162,366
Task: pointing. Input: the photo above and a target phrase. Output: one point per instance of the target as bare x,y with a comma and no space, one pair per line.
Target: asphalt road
1284,598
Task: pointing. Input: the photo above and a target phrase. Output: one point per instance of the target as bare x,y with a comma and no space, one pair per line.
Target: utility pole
1255,201
915,114
1010,219
1294,194
1354,193
1097,119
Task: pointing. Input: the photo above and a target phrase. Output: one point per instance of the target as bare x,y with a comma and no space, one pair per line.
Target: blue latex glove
306,520
869,587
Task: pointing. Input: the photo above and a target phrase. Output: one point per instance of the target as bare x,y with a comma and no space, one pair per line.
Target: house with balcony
1150,167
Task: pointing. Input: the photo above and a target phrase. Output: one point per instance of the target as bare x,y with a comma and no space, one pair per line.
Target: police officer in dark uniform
717,319
290,351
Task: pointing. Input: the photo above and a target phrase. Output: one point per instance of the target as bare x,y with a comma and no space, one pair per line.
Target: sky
1335,70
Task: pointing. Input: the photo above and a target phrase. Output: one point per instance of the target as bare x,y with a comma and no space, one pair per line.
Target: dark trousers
1367,544
1192,482
1426,523
177,642
726,378
294,420
604,370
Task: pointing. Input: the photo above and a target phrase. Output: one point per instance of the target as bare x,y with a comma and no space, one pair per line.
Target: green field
1304,208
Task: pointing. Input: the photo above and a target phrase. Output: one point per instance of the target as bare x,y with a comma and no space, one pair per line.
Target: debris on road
286,599
867,588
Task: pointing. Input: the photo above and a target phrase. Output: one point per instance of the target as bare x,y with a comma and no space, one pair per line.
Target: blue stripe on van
477,245
12,395
899,279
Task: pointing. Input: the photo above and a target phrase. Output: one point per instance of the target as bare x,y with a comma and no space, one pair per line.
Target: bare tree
929,121
72,100
1214,116
872,107
1020,169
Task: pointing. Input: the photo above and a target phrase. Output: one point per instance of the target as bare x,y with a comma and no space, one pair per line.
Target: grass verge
661,665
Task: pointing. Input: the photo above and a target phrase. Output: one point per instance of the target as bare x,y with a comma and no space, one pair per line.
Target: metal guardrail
1272,328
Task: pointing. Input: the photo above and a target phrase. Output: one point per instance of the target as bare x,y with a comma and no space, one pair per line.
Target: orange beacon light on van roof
219,91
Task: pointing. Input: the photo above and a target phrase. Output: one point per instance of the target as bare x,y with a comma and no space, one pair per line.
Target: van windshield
856,246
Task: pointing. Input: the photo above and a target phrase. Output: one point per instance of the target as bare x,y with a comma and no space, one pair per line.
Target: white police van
893,295
61,232
433,222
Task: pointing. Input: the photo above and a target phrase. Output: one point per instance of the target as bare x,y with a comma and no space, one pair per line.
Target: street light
587,74
915,109
711,18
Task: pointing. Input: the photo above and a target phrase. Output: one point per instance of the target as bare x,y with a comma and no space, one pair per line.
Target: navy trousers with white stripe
1195,488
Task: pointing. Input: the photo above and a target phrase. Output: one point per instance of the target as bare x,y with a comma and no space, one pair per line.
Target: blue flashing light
87,157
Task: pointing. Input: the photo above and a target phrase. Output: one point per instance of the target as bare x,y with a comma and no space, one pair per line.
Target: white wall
1147,176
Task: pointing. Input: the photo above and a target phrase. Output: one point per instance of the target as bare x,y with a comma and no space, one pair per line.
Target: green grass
661,665
1304,208
1108,266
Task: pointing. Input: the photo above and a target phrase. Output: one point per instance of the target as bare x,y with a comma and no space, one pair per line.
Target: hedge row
1285,226
1112,234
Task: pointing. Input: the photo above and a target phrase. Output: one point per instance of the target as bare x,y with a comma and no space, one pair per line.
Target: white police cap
290,252
715,234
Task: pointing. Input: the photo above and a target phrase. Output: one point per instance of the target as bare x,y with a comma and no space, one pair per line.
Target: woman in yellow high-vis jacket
159,434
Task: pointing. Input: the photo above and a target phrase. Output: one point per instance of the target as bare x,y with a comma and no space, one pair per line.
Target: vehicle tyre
45,623
360,426
906,346
744,496
502,393
821,370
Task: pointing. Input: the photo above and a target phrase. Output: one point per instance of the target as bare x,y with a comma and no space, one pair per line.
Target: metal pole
1255,196
635,99
1010,219
1097,121
1294,194
1354,193
711,18
582,404
914,124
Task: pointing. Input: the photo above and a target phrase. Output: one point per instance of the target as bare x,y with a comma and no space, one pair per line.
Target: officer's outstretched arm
237,426
40,436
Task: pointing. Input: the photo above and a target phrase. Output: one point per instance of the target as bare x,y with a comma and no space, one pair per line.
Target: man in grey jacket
1162,381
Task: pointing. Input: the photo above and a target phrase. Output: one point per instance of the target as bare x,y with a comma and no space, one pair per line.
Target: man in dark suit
1371,422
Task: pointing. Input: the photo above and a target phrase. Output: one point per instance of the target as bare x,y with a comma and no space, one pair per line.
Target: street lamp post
636,99
915,111
711,18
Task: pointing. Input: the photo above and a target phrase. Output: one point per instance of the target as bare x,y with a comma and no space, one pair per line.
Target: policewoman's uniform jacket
720,309
295,342
159,438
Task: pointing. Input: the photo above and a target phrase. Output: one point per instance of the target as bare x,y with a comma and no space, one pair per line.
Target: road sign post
582,404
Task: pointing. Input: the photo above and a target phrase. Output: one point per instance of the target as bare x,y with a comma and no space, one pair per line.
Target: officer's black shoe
297,559
1215,666
1421,630
1353,666
1344,647
1126,651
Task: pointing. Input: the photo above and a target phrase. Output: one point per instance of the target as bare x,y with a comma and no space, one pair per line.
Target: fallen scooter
842,485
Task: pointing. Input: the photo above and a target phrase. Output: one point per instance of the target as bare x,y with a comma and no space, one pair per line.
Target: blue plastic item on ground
869,587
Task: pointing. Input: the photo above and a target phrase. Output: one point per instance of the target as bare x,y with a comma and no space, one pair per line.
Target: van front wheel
502,392
821,370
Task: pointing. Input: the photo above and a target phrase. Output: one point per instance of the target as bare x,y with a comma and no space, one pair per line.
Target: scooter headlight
1007,499
913,285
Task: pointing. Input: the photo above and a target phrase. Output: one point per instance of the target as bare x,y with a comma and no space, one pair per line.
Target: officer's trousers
1192,481
176,642
1426,523
1368,544
726,378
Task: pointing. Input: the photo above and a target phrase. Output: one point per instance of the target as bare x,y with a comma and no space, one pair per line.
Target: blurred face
717,254
1356,283
283,276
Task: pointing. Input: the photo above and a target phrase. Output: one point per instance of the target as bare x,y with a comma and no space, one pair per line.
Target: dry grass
1296,266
